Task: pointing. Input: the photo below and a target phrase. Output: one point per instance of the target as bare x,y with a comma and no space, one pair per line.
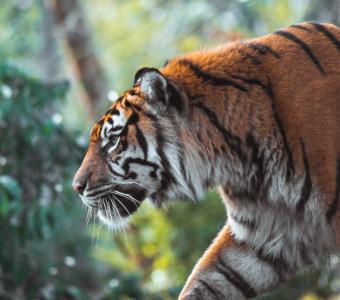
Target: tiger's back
298,70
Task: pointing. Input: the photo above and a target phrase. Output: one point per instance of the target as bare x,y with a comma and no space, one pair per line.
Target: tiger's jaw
113,221
113,207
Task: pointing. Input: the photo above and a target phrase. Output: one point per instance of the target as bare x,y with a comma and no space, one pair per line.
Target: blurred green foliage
47,249
136,33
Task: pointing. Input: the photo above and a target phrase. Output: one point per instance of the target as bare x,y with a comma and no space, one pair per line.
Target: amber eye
110,144
113,139
113,143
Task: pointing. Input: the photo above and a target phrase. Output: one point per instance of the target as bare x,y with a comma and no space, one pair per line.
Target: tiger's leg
229,270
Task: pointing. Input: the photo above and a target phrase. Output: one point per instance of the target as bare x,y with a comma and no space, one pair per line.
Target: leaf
10,185
4,204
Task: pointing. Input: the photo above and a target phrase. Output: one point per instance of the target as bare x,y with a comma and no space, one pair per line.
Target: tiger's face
134,151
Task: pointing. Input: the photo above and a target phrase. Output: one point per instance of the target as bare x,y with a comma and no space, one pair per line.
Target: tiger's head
135,151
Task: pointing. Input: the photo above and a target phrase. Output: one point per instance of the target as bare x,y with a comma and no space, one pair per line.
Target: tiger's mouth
113,206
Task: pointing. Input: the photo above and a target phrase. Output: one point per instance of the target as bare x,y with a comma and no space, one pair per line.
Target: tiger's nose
79,187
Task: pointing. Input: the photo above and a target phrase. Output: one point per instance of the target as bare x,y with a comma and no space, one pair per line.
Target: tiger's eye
113,139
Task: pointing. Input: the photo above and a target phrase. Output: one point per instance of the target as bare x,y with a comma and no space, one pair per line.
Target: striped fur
259,119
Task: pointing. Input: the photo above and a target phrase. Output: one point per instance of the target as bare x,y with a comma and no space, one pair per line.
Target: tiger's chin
114,210
113,222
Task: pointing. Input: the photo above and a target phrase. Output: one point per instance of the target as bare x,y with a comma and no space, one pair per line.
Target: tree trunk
50,56
87,69
324,11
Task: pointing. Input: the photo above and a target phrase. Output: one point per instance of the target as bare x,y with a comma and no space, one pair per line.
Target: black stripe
116,128
136,108
197,293
257,159
243,192
183,170
327,33
334,205
96,193
307,185
263,49
114,172
127,103
292,37
139,161
252,58
251,224
234,142
210,78
278,264
252,81
142,141
167,176
180,148
175,98
152,117
304,255
236,279
100,122
112,111
209,288
133,119
290,164
298,26
254,146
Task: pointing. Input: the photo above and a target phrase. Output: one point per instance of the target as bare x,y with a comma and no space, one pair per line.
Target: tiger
259,120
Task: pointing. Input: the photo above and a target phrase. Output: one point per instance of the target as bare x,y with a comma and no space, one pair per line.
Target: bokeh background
61,63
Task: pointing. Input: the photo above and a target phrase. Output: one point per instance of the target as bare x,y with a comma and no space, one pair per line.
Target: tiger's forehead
113,121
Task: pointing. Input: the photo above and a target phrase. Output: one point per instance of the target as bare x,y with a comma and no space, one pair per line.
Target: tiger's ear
153,85
160,92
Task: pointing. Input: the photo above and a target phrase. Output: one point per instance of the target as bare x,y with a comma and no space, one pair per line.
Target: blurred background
61,63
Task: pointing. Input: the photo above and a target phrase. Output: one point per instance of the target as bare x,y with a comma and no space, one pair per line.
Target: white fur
114,222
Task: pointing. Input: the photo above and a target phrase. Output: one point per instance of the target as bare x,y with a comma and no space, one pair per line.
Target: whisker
88,215
93,228
127,196
95,196
97,190
111,217
108,214
129,214
89,203
131,182
114,205
98,232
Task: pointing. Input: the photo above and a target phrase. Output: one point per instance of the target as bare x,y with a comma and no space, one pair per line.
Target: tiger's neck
226,151
231,128
229,139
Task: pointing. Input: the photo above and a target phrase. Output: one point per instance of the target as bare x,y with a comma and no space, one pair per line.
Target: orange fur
281,90
223,239
307,108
